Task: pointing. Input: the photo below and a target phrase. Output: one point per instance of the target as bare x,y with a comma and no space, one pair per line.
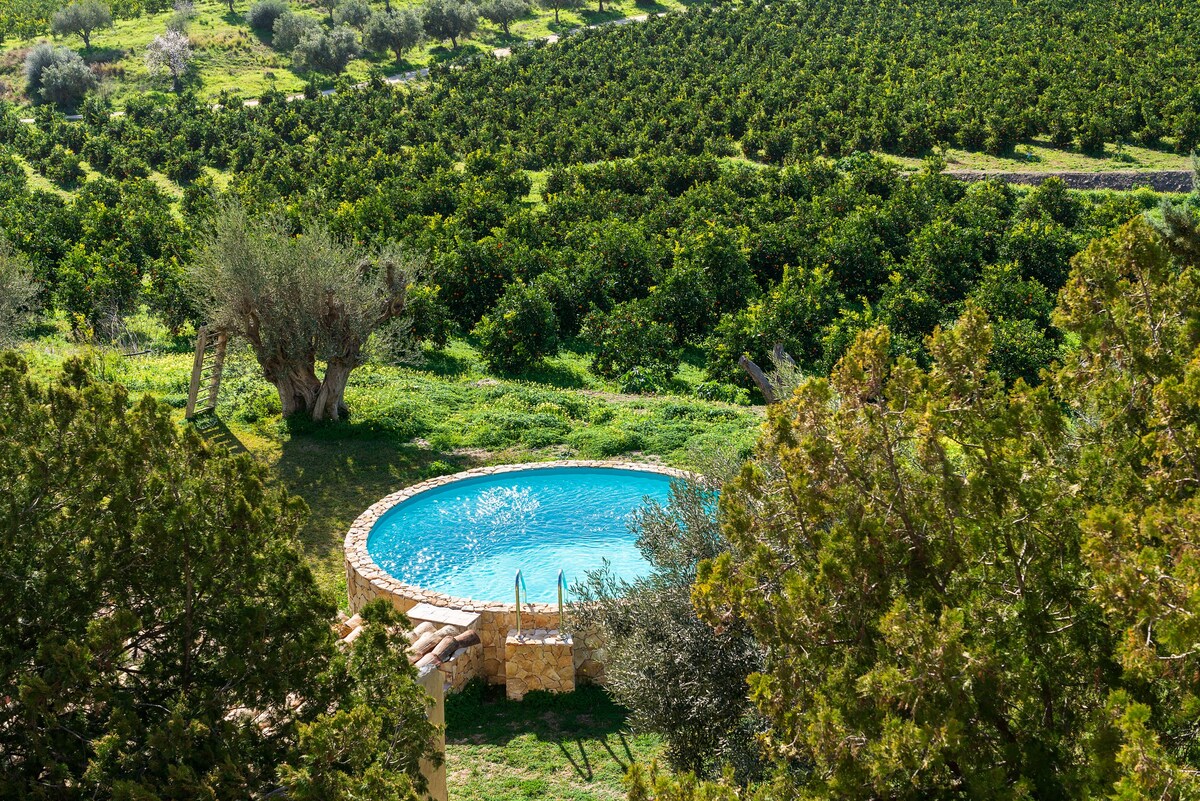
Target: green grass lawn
573,747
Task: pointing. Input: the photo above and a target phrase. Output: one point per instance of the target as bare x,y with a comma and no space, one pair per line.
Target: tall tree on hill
160,634
450,19
397,31
81,19
297,300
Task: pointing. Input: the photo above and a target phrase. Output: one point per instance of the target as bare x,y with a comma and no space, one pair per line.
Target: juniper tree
161,636
18,292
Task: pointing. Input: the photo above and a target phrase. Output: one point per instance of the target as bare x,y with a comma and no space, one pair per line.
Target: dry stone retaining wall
366,581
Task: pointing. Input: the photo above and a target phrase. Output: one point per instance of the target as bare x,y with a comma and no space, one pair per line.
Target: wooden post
434,683
197,366
760,378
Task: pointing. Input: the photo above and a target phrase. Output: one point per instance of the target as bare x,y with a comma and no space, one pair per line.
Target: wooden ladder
206,369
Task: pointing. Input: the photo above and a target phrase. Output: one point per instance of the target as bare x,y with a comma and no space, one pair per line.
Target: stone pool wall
366,581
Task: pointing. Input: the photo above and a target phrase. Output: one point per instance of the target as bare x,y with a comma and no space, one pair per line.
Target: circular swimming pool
466,536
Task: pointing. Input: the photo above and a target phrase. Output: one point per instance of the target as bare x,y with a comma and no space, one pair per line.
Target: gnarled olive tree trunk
299,301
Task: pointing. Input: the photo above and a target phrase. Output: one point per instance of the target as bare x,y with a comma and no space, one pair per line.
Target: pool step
439,616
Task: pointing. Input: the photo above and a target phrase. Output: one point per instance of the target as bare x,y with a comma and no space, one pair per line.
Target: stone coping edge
360,561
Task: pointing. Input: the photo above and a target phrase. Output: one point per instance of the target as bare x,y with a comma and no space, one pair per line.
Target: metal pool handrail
562,584
519,584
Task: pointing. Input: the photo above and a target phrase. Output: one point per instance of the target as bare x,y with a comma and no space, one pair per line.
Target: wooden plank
197,366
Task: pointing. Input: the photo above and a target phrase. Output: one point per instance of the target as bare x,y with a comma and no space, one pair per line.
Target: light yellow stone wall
366,581
538,660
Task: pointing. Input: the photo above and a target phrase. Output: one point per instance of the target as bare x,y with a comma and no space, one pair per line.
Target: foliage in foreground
160,634
964,590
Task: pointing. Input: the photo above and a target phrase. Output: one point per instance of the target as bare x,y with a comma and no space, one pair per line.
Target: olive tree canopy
299,299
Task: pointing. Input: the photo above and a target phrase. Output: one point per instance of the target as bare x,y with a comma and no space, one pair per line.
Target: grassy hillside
232,57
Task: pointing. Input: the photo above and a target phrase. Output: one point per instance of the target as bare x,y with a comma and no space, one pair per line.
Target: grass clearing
1039,155
574,747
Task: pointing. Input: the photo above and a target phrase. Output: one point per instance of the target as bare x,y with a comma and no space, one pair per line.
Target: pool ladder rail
519,586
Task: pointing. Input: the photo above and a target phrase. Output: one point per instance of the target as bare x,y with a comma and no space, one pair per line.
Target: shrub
519,332
57,75
289,28
1042,249
793,313
655,640
631,337
263,14
185,12
722,393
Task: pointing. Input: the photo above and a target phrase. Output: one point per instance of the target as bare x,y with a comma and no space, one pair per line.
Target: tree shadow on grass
481,714
444,364
103,55
214,431
339,469
578,736
559,376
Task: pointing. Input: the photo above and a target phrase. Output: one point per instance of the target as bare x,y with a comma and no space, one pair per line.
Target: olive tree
81,19
504,12
558,5
325,51
57,75
354,13
289,28
298,299
397,31
450,19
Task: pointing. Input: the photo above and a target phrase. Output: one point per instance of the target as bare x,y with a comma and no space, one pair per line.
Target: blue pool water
469,538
